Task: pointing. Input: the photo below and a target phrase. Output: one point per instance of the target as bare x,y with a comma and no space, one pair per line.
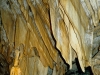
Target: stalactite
15,70
47,36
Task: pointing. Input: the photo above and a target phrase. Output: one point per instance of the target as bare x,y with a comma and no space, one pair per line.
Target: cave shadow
88,70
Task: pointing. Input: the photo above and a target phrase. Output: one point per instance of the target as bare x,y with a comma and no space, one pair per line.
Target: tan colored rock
48,32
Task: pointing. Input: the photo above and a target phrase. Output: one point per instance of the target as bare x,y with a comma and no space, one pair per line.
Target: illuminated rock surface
53,37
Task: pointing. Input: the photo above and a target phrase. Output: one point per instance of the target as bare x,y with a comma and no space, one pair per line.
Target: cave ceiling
38,36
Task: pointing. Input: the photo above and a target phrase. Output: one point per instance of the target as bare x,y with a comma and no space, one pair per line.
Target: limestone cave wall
49,37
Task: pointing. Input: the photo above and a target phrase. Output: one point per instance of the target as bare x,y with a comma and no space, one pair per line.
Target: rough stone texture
49,34
4,67
96,64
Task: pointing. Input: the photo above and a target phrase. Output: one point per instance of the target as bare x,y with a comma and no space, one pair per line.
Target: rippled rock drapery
45,32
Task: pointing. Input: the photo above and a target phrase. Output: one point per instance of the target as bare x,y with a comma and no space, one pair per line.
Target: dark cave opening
76,69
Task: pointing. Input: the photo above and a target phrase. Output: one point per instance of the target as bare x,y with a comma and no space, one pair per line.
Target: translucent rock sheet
74,31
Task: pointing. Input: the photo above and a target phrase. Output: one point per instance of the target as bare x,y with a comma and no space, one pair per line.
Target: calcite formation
44,37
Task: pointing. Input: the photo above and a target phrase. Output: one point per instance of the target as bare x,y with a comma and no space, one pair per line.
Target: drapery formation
69,30
45,28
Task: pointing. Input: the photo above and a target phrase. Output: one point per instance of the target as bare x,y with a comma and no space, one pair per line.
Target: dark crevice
77,70
4,66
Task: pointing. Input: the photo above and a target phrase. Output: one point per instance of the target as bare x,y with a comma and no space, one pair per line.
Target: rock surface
49,35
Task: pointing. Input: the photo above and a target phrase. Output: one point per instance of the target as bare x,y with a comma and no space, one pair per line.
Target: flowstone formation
50,37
